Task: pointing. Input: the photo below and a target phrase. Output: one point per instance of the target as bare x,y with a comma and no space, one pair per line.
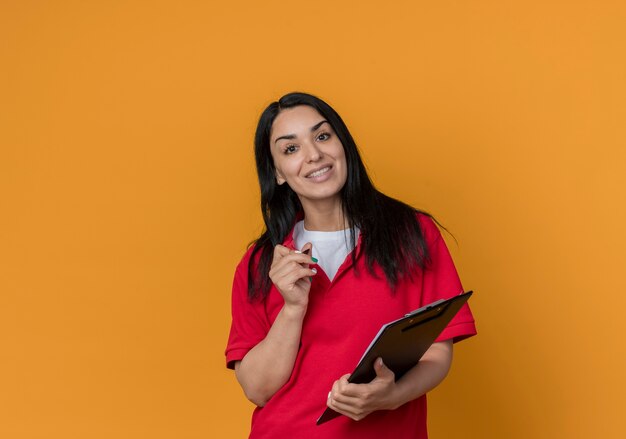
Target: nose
313,152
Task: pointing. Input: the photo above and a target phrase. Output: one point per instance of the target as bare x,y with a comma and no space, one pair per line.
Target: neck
324,216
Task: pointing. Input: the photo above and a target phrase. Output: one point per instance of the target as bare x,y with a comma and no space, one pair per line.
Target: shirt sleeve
441,281
249,324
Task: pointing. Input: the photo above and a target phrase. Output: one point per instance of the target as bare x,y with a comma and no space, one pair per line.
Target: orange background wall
128,194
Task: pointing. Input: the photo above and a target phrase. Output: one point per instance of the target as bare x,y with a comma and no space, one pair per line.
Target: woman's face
308,155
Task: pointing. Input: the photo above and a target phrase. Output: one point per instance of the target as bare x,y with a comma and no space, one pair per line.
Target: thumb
383,371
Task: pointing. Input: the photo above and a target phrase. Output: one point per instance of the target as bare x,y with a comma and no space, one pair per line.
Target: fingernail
297,251
314,259
314,270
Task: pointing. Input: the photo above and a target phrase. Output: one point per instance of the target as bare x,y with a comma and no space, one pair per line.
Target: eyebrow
293,136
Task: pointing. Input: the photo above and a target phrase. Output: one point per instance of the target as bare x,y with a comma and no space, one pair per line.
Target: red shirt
342,318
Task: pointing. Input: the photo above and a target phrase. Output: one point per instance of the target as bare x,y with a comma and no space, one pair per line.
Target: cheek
287,168
342,160
343,167
344,176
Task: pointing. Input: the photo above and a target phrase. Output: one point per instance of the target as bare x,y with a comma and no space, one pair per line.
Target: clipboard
401,343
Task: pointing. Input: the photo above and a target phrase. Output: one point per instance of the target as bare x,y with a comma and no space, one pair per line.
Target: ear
279,177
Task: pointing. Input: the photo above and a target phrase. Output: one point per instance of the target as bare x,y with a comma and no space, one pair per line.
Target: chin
322,196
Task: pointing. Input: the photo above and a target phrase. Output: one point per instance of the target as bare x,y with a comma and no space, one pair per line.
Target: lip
322,177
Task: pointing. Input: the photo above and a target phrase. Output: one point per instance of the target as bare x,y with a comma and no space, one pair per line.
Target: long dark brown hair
391,234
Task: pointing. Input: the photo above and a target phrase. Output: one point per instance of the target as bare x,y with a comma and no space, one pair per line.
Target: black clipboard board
401,343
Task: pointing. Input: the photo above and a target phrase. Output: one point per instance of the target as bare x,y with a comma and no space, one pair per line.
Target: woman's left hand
356,401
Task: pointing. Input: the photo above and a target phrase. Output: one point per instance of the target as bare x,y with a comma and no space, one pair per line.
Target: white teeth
320,172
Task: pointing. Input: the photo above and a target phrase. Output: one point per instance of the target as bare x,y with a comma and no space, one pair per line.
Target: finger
291,271
334,390
382,371
281,250
355,390
286,268
293,257
290,277
338,398
283,267
301,257
345,409
349,389
342,398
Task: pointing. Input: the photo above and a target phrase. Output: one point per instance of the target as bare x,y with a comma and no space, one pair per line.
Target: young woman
337,260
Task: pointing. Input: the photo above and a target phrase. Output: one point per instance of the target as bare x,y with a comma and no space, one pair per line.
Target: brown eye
290,149
323,136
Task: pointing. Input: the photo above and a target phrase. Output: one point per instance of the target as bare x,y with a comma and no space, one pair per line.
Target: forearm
424,376
268,366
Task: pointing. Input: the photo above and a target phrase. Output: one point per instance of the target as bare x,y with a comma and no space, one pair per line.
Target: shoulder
244,262
428,226
241,274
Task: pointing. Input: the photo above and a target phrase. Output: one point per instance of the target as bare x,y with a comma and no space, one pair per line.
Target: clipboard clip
427,307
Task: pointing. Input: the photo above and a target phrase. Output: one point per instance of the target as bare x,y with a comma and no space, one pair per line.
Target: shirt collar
288,241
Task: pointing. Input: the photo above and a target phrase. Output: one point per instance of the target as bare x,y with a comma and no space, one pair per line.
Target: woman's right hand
291,275
268,365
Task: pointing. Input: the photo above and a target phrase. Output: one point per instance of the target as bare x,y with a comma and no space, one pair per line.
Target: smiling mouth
319,172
